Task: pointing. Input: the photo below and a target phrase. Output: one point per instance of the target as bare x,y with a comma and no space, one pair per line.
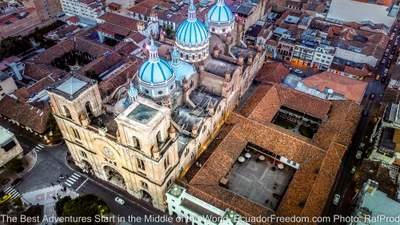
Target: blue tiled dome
181,69
155,70
191,32
220,13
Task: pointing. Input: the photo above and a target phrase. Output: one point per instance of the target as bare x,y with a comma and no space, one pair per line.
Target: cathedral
151,129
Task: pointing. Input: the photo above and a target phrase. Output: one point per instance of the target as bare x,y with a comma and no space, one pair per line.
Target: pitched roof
27,115
274,72
279,96
353,90
309,189
26,92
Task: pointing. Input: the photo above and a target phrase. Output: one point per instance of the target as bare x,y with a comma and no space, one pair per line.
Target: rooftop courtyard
72,60
260,177
297,122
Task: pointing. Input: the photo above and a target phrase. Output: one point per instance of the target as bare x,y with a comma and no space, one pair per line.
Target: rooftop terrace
260,177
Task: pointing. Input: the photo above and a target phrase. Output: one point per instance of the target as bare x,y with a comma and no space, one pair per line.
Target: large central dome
192,33
192,37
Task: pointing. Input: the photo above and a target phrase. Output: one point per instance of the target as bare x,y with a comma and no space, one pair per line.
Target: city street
51,163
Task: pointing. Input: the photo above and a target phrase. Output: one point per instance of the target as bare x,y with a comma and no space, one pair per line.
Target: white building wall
7,86
77,8
177,194
355,57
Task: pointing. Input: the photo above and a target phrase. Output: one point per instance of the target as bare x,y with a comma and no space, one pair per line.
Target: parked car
119,200
372,96
386,71
365,112
336,199
358,154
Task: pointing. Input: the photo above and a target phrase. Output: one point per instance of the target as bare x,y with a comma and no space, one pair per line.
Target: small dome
181,69
155,70
220,13
192,32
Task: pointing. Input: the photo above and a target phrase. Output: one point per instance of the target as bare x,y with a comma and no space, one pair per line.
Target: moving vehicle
119,200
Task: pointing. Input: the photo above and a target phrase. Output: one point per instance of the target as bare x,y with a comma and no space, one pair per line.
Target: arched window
67,113
88,108
159,138
135,142
166,162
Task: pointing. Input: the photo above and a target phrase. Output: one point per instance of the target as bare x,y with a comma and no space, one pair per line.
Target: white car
119,200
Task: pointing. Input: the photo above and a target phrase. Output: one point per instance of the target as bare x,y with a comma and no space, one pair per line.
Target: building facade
9,147
91,9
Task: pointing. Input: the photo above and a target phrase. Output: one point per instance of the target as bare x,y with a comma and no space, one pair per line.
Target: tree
60,205
15,165
83,206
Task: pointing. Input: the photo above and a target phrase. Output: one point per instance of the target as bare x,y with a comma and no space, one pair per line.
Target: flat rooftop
142,113
5,135
360,12
379,203
260,177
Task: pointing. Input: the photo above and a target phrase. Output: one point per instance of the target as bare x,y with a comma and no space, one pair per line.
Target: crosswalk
72,179
12,192
38,148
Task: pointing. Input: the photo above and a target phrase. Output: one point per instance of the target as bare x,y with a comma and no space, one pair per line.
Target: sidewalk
48,197
30,159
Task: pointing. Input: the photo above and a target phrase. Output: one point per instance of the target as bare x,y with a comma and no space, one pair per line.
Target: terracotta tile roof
310,186
352,89
137,37
357,72
125,48
76,42
252,102
25,93
102,63
120,22
27,115
38,71
73,20
107,86
274,72
112,29
279,96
